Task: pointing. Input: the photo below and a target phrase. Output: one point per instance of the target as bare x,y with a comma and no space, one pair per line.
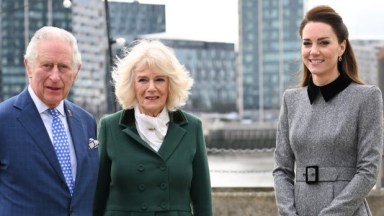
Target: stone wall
261,202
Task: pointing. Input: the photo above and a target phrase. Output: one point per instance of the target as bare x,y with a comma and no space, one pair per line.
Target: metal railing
378,186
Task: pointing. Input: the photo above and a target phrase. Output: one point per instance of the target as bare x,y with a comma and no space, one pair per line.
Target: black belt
314,174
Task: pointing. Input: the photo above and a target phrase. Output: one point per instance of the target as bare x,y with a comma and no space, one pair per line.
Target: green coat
136,180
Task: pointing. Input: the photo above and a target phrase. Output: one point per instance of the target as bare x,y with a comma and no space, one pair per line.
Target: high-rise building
19,19
85,19
212,65
366,52
89,27
130,19
269,55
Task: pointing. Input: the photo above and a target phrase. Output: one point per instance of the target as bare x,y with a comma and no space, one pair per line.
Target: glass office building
269,54
19,19
85,19
130,19
89,27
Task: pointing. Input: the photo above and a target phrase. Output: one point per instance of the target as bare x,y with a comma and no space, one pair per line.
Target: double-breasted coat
136,180
338,141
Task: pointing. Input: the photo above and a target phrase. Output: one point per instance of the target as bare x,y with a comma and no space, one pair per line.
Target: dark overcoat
136,180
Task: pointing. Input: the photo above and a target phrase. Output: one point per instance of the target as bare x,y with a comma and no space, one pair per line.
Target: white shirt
152,129
47,119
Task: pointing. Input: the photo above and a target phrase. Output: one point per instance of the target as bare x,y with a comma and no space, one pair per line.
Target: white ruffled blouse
152,129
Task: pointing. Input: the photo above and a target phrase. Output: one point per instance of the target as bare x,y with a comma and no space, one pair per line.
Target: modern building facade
130,19
269,55
370,60
212,66
85,19
19,19
89,27
366,53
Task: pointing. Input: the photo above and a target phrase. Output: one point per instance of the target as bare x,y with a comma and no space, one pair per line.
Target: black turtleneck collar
328,91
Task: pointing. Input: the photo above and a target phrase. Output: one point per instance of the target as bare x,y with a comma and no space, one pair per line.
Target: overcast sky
364,18
216,20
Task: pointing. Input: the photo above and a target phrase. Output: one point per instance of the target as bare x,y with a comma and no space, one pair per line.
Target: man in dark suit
42,174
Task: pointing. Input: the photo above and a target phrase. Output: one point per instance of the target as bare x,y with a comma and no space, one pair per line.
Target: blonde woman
152,154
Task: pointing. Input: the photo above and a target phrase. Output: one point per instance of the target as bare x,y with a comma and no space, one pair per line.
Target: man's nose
55,73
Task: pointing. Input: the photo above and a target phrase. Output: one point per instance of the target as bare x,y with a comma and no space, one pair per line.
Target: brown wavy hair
327,15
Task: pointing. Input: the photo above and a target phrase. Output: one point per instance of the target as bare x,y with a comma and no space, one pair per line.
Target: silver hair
48,32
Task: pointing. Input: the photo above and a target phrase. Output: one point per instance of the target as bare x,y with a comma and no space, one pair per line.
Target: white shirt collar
152,129
41,106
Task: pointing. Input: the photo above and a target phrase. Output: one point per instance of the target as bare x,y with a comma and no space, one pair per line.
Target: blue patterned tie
60,142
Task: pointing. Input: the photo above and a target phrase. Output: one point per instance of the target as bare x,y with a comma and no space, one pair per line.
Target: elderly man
48,156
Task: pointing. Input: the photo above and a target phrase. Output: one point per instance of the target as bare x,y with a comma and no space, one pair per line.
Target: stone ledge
261,202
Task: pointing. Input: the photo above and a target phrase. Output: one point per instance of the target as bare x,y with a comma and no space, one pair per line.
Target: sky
217,20
363,18
210,20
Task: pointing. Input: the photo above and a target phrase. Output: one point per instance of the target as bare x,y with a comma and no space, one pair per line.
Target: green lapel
174,135
172,139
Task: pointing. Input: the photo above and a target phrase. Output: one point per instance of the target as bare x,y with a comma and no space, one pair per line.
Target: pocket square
93,144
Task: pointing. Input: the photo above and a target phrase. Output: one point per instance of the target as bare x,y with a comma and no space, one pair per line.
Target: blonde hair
158,57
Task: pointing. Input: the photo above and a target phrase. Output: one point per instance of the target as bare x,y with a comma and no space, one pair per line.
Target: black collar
328,91
128,117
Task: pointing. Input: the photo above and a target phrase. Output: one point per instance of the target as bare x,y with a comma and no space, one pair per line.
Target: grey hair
48,32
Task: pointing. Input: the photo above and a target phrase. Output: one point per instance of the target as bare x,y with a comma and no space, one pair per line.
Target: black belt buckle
311,174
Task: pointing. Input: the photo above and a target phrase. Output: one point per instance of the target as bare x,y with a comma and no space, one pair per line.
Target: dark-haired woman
330,131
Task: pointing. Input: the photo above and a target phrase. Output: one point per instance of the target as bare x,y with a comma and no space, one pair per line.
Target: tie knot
54,113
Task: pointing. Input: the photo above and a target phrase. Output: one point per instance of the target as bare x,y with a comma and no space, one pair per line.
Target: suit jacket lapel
79,139
174,134
31,120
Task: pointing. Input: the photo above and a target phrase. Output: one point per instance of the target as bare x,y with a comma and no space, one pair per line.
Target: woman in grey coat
329,137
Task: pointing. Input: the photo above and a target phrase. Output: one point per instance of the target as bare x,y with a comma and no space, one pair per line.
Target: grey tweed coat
343,137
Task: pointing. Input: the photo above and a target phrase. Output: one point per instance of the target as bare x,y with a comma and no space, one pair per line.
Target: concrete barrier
261,202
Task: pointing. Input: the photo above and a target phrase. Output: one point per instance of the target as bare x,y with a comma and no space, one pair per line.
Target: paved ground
250,169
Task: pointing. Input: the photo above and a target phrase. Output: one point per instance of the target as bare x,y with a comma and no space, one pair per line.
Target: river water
241,169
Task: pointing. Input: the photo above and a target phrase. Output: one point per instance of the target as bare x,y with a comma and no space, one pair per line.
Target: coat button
141,187
140,167
164,205
144,206
163,168
163,186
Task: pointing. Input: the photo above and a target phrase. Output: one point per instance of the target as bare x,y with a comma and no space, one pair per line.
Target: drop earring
340,58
